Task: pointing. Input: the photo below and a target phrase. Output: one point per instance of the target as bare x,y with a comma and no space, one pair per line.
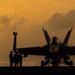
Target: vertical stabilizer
15,39
67,37
46,36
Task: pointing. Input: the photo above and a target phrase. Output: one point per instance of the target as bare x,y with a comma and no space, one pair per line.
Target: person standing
11,58
16,59
20,59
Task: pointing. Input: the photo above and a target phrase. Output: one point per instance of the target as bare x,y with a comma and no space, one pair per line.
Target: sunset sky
27,17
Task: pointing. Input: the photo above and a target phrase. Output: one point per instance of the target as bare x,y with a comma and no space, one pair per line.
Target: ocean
31,61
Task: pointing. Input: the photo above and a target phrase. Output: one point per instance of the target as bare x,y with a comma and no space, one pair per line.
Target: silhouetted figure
11,58
20,60
16,59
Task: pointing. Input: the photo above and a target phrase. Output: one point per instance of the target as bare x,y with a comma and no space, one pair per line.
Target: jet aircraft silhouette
54,51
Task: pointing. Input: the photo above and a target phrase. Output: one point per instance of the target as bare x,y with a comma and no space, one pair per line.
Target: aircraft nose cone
54,44
55,40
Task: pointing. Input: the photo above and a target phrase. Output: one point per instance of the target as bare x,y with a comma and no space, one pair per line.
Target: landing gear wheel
71,63
42,63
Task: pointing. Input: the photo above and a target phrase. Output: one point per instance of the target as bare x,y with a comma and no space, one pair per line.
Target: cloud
60,21
5,21
11,22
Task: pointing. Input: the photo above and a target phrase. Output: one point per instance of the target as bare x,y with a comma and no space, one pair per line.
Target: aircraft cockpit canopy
54,44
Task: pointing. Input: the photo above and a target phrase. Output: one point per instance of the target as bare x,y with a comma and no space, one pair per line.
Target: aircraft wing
42,51
71,50
67,50
30,50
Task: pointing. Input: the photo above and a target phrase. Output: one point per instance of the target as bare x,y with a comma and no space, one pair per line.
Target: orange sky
36,13
32,9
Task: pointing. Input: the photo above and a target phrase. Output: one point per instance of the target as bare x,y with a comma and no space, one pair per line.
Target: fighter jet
54,51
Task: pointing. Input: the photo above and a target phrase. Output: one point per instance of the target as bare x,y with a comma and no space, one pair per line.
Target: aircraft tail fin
67,37
14,43
46,36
